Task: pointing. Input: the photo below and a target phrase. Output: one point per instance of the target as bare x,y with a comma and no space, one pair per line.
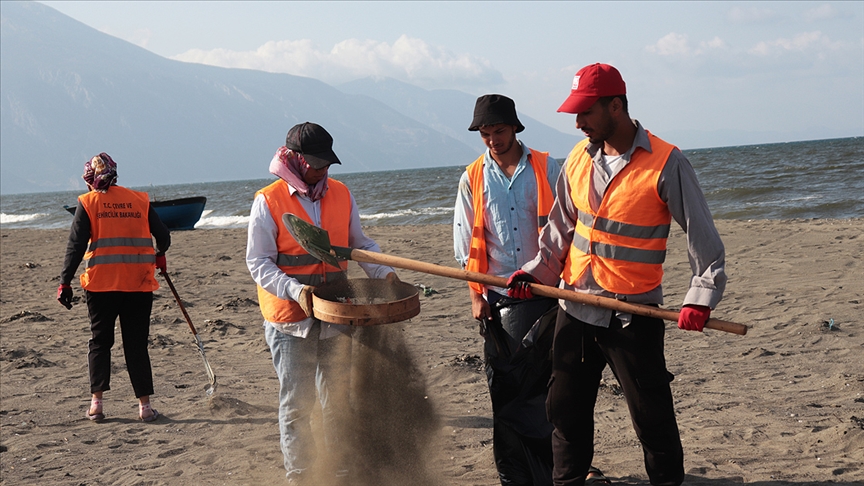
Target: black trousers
133,308
635,355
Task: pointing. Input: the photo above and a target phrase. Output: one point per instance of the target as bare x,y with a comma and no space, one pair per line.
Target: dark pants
133,308
635,355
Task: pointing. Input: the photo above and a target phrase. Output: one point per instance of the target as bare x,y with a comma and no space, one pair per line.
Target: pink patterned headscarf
290,166
100,173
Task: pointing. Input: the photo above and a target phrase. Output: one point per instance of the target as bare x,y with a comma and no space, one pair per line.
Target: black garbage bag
517,352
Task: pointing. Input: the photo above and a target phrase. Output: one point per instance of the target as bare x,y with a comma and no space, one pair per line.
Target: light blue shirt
510,219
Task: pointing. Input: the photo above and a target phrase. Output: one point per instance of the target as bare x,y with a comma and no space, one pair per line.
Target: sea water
804,180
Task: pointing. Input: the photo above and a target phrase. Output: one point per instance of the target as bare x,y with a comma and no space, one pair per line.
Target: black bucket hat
314,143
493,109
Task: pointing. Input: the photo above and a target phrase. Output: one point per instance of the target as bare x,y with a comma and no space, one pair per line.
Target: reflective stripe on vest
477,256
106,242
100,260
291,257
120,255
296,260
624,241
620,252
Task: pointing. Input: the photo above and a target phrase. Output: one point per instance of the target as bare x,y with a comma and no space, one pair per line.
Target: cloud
822,12
750,15
678,45
812,54
671,44
407,59
804,42
715,43
804,47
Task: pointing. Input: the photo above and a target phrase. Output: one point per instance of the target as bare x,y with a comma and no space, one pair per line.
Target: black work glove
64,295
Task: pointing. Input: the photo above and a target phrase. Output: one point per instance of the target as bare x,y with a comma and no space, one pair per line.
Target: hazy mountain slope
69,92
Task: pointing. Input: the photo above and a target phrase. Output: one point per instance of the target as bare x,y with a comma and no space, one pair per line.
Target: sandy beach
783,405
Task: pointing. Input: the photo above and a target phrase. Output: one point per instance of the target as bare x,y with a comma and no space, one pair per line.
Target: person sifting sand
308,355
618,193
503,200
111,232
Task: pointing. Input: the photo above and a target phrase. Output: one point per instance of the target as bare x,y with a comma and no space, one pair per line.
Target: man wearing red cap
619,191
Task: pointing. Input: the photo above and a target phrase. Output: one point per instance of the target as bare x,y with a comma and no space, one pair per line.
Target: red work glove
64,295
161,264
693,317
517,285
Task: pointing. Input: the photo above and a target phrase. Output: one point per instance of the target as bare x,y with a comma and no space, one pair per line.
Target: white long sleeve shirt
261,254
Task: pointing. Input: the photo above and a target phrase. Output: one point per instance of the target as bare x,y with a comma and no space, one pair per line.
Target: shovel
211,387
316,242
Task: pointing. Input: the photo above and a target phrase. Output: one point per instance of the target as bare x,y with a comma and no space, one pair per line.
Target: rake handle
180,303
210,375
536,289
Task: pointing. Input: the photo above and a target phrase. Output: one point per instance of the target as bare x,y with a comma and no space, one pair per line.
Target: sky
790,67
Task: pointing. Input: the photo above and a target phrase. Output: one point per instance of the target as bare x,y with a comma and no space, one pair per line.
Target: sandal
149,418
98,416
596,477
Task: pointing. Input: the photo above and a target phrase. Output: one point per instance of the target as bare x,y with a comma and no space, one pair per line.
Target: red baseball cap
590,84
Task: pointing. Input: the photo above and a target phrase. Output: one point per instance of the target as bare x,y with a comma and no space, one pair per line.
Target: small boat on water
177,214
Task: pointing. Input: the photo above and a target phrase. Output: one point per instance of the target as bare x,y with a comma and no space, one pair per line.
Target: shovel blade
313,239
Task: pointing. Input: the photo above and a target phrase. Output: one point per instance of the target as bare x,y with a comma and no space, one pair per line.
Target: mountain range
69,92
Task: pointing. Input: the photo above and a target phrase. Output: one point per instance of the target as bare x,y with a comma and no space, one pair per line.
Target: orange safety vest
477,257
292,258
624,241
120,256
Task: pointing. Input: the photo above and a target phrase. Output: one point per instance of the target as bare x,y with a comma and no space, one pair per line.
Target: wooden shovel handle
537,289
629,307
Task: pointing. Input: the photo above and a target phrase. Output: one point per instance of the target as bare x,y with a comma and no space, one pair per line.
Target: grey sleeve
556,236
679,188
553,170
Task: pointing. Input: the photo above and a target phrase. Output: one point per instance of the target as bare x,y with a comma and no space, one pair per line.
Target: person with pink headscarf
111,232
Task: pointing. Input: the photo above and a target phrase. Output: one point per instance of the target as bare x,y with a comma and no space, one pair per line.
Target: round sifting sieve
365,302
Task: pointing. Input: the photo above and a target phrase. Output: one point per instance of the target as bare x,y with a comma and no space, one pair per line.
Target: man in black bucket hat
503,201
494,109
312,358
